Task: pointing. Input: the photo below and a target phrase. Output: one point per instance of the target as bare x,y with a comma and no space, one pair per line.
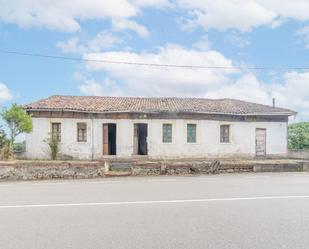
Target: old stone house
124,127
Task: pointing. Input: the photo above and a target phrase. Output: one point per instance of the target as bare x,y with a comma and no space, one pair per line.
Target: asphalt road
268,211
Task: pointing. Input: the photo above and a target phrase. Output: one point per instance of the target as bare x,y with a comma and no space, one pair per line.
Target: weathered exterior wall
208,138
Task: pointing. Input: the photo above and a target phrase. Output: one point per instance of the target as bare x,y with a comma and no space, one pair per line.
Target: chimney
274,102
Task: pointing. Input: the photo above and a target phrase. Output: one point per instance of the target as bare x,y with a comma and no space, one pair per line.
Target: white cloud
125,24
5,93
152,3
247,88
242,15
62,15
226,14
67,15
149,81
291,90
304,33
203,44
106,87
71,46
237,40
102,41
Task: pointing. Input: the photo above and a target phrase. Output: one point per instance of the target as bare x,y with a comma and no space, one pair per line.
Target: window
81,132
225,133
167,133
56,131
191,133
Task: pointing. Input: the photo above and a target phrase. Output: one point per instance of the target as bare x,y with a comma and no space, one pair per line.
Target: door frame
265,142
136,139
105,138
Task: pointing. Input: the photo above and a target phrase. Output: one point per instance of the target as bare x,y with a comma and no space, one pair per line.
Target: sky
238,34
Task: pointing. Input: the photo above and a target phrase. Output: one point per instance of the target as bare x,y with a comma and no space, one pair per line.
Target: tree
17,121
298,136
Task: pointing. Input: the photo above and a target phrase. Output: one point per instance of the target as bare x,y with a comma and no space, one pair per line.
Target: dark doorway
109,139
140,139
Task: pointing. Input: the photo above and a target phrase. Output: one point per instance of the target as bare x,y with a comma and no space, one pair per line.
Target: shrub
5,149
298,136
53,146
19,147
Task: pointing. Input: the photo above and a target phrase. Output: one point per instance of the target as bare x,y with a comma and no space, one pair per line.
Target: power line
48,56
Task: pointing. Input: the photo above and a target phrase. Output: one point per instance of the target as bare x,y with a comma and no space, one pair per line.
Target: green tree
17,121
298,136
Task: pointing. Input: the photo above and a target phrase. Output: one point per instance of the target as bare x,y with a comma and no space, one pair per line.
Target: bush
53,146
5,149
6,152
19,147
298,136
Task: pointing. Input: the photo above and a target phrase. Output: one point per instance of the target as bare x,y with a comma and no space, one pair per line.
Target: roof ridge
139,97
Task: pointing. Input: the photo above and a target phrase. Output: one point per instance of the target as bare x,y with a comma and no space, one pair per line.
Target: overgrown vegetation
298,136
19,147
53,144
5,152
17,121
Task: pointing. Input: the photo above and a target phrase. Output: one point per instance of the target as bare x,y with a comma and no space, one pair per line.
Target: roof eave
288,113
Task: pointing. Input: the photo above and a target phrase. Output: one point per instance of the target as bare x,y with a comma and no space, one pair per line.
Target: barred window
191,133
82,132
225,133
167,133
56,131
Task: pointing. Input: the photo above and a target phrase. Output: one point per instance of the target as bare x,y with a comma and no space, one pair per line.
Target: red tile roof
93,104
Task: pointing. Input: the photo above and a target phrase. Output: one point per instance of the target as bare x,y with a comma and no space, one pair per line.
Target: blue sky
229,33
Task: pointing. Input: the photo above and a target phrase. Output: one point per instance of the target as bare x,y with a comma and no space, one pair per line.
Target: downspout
92,138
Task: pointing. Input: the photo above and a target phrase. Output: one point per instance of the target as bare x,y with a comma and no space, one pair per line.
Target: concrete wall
299,154
208,138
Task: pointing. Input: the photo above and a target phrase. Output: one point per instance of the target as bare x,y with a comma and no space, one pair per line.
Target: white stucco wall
208,144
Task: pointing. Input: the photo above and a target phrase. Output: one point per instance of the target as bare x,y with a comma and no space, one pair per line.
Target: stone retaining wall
50,170
34,170
185,168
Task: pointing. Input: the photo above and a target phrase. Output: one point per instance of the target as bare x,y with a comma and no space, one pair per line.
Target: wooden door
105,139
260,142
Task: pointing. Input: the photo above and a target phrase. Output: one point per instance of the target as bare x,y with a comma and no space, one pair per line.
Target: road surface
268,211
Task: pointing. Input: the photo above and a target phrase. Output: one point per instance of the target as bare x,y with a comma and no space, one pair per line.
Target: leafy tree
17,121
298,136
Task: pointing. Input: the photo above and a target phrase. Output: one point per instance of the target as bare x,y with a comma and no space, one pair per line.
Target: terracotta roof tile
154,105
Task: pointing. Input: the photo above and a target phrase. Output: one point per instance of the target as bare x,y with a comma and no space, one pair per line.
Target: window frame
223,136
83,138
56,134
171,133
195,133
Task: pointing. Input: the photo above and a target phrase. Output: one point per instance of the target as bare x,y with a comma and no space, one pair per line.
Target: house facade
125,127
